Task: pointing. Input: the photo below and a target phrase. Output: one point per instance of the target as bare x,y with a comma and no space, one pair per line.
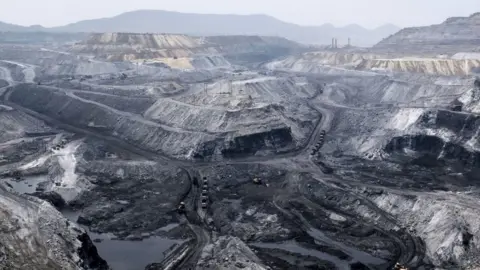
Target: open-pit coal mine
129,151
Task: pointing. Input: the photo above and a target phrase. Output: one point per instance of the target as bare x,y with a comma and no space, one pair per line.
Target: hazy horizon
307,12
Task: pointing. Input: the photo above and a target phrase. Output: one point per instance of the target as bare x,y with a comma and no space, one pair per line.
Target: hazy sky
368,13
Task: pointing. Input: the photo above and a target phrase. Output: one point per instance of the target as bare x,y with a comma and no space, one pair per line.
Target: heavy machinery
399,267
181,207
319,144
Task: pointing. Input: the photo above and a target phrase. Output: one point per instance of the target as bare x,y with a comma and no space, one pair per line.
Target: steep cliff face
35,235
191,50
456,32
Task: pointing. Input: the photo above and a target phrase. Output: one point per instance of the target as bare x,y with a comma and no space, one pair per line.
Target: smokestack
349,42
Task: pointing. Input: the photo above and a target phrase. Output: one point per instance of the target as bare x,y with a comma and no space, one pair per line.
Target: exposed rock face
143,41
328,58
88,253
249,144
36,236
130,46
52,197
250,127
446,67
457,33
365,61
229,253
453,242
14,125
183,51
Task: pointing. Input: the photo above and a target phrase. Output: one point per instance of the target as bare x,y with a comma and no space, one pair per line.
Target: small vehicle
257,181
181,207
204,205
399,267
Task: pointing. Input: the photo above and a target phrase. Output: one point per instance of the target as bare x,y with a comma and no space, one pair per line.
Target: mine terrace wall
139,131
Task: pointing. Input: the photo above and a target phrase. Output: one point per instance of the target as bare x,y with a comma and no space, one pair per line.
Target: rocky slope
453,35
434,66
183,123
172,48
229,253
35,235
376,61
395,105
411,132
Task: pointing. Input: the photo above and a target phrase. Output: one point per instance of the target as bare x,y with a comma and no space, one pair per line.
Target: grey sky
368,13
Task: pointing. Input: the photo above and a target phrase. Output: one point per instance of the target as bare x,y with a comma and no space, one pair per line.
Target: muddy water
129,255
26,185
294,247
357,255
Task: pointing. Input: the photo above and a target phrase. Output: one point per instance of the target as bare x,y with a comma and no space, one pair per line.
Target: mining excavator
399,267
181,207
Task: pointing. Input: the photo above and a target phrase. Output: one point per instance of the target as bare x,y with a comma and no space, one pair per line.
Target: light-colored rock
229,253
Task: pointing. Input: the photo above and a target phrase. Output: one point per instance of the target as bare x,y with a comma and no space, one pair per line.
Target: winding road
193,217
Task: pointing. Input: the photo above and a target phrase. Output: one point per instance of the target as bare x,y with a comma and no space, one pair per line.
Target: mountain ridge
453,33
160,21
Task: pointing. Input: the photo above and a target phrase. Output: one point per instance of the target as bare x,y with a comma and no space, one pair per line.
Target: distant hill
7,27
39,37
157,21
453,35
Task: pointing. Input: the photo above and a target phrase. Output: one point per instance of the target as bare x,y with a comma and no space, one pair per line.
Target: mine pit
154,151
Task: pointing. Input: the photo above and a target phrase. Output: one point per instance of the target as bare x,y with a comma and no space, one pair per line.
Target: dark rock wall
88,253
464,125
144,134
250,144
435,148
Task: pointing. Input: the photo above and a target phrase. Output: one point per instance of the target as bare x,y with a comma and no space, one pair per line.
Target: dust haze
183,135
